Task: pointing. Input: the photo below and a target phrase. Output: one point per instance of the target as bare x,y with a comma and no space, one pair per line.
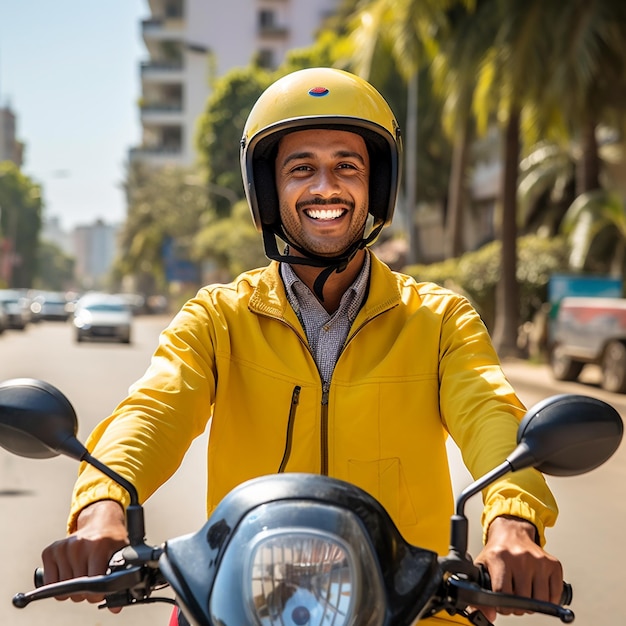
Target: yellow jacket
418,364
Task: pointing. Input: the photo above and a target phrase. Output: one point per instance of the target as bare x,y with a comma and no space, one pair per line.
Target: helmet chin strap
330,264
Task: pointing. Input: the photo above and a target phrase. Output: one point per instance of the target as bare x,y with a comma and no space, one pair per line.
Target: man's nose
325,183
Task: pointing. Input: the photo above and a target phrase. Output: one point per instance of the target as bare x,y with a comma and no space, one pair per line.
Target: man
325,361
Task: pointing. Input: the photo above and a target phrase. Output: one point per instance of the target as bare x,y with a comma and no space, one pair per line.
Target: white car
103,316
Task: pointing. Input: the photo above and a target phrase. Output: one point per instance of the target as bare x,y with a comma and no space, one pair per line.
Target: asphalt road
34,495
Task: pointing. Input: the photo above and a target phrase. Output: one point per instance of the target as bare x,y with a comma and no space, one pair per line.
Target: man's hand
101,531
516,564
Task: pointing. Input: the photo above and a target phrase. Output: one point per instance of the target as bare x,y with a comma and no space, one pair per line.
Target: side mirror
37,420
566,435
563,435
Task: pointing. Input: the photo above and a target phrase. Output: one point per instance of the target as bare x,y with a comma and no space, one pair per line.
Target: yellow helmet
319,98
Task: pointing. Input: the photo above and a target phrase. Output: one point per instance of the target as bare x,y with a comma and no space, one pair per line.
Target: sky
69,70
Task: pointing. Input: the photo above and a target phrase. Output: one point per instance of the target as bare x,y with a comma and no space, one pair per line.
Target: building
53,231
10,148
189,41
95,248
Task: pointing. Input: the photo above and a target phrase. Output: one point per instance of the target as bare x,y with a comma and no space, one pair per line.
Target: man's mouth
325,214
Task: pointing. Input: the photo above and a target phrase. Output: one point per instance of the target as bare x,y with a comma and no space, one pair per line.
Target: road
34,494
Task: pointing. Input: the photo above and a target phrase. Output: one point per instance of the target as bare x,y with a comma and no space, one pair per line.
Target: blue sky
70,71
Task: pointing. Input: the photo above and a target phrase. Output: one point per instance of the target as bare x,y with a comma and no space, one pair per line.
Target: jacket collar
269,297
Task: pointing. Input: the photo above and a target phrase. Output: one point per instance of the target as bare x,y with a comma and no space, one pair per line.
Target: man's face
322,179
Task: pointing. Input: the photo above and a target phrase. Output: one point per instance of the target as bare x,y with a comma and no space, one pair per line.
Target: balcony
172,8
162,114
272,31
162,71
269,25
162,29
157,155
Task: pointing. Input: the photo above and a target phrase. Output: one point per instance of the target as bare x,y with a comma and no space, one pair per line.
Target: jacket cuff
97,492
515,507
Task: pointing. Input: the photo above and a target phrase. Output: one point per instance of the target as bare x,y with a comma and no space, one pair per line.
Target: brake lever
463,593
104,583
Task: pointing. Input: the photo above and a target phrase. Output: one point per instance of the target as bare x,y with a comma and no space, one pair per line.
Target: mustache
324,202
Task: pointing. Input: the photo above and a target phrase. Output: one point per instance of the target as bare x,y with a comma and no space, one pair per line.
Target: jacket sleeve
148,434
482,412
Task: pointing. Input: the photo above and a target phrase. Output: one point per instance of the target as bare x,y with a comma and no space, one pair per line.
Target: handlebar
133,575
104,583
484,581
134,583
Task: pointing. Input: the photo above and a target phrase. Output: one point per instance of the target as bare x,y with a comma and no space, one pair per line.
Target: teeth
324,214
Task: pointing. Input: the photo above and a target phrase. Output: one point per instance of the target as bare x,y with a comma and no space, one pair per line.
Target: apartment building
189,41
94,248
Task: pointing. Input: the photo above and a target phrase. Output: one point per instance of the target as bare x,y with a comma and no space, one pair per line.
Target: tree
554,65
408,33
55,269
587,80
220,128
595,225
232,242
163,204
20,223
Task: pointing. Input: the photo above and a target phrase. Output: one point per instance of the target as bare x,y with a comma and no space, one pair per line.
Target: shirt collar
355,293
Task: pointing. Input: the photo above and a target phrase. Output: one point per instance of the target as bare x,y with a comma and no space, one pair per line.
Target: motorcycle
298,549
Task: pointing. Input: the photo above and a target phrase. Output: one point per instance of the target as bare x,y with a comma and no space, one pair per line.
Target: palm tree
588,81
412,30
551,65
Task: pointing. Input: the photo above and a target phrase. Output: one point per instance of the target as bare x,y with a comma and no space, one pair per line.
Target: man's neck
336,284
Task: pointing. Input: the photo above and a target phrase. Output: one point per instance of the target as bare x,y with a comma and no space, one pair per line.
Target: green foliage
220,129
476,274
55,268
20,221
164,203
586,223
233,243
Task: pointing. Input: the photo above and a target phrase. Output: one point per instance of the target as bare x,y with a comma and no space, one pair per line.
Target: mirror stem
458,522
134,511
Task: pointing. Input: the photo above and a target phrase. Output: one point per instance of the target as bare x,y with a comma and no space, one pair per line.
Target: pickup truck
590,330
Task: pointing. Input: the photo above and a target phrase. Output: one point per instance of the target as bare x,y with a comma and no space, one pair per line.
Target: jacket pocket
384,479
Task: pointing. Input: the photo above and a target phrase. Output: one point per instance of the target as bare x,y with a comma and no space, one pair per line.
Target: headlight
301,578
83,320
297,564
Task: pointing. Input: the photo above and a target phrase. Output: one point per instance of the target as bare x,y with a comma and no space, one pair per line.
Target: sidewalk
522,372
539,375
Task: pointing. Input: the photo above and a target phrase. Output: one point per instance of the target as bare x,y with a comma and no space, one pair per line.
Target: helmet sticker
318,92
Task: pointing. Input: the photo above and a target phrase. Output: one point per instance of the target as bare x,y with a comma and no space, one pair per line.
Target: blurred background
120,124
120,128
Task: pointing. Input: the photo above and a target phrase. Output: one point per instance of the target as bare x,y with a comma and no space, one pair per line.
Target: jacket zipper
324,429
295,399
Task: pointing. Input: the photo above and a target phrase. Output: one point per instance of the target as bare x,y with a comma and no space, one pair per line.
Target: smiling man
325,361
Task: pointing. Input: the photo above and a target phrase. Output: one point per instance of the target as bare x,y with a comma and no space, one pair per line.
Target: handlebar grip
38,577
566,595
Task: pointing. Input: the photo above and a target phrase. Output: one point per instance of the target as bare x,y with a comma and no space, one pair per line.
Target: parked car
590,330
17,308
103,316
50,305
4,318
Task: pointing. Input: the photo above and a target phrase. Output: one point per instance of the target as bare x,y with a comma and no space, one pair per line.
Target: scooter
301,549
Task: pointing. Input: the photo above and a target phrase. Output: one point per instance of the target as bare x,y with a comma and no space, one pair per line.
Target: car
50,305
17,308
4,318
103,316
590,330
